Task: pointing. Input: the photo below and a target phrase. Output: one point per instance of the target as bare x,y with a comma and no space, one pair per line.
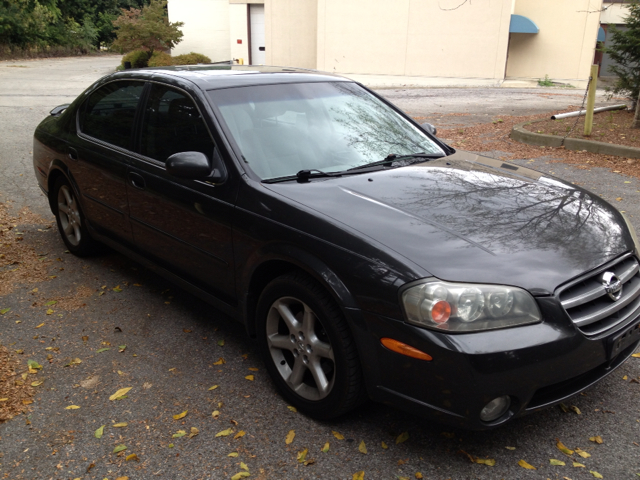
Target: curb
519,134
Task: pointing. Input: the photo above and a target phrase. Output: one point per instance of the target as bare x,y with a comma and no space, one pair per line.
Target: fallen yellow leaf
240,475
133,456
290,436
3,399
337,435
41,325
220,361
122,478
562,448
419,475
575,409
253,369
240,434
180,415
358,475
120,425
595,474
249,377
596,439
637,355
553,461
582,453
120,393
362,447
215,414
524,464
213,388
293,409
194,432
244,466
325,449
403,437
72,407
302,456
486,461
233,454
225,433
624,378
49,311
384,445
510,448
37,384
576,464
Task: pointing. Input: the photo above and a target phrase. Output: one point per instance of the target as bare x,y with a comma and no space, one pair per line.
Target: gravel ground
173,342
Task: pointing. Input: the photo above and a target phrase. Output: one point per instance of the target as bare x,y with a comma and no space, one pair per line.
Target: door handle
137,180
73,153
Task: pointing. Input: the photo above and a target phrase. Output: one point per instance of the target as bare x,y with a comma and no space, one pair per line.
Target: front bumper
536,365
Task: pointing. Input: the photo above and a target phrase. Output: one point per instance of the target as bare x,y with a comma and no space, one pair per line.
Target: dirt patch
19,262
72,301
608,127
495,136
16,393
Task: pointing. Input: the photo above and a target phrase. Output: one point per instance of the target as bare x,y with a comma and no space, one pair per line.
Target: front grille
589,306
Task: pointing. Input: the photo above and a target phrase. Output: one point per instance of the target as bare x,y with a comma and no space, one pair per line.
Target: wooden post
591,101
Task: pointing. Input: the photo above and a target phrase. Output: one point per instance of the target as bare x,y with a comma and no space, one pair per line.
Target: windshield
333,126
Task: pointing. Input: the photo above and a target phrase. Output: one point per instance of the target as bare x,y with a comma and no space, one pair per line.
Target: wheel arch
56,170
278,261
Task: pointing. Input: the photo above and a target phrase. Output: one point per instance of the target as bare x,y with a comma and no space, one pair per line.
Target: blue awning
520,24
602,36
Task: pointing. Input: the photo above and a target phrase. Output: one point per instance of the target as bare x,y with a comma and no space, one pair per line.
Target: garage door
256,19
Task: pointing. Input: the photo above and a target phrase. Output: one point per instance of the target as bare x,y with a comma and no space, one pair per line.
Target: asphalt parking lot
178,348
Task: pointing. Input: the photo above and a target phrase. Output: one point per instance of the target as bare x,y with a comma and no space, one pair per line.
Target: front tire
307,347
71,221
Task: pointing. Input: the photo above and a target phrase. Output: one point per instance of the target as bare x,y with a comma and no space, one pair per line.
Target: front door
184,225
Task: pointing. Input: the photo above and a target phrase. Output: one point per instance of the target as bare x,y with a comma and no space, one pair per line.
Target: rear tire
71,221
308,348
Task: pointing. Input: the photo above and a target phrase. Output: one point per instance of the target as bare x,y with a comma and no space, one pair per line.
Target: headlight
466,307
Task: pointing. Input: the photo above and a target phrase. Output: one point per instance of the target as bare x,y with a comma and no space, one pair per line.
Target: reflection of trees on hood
507,214
371,128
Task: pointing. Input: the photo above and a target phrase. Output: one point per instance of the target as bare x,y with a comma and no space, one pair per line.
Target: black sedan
368,258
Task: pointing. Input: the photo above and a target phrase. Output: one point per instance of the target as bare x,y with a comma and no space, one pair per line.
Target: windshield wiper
303,176
392,157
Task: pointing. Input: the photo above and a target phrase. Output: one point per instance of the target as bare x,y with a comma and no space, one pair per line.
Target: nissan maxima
367,258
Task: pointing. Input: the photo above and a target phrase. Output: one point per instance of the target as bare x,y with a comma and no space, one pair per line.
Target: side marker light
404,349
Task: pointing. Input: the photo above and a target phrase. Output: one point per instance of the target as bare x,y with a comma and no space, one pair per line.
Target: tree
624,50
148,29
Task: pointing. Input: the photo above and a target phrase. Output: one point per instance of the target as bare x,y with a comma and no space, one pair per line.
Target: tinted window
110,111
172,124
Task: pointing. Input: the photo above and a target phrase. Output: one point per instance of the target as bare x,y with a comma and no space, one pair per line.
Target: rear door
102,152
184,225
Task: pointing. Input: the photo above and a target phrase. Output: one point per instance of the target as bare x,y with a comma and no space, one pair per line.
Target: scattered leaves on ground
554,461
562,448
325,449
119,448
98,433
337,435
225,433
249,377
293,409
403,437
596,439
302,456
582,453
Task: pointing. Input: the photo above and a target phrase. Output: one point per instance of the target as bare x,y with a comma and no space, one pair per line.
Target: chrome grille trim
586,302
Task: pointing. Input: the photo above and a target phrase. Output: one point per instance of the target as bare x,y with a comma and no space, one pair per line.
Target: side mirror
429,128
196,166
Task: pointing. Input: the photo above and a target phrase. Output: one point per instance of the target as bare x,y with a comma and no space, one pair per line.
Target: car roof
210,77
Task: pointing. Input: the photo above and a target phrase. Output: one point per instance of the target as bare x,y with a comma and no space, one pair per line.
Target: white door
256,21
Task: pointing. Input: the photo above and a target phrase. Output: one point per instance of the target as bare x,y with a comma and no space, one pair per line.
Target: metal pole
591,101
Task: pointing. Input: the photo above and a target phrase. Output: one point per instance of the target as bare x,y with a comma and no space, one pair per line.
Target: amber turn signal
404,349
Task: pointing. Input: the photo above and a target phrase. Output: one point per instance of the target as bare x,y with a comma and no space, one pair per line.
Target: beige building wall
239,30
414,37
206,27
291,33
565,46
614,13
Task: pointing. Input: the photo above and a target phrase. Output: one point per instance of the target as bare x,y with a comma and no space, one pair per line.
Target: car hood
469,218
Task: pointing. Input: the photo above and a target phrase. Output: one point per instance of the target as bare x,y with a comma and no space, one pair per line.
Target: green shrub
190,59
138,58
160,59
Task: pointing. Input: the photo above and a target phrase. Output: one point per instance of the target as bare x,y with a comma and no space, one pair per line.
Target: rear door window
172,123
110,111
